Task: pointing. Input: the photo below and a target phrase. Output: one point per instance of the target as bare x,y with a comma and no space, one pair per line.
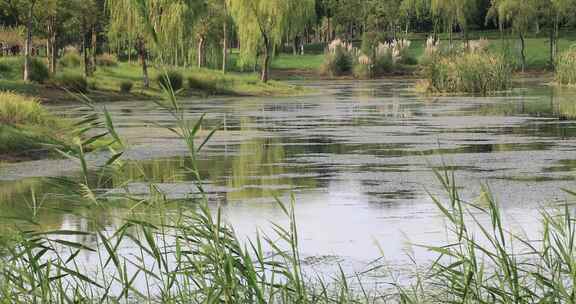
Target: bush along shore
471,68
194,257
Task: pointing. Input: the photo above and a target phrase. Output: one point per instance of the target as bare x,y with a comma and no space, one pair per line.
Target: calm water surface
357,156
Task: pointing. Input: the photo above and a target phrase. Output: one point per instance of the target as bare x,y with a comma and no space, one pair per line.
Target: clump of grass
171,79
565,72
126,86
26,126
72,81
107,60
466,72
17,109
71,59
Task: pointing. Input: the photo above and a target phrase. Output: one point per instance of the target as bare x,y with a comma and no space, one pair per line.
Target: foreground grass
196,258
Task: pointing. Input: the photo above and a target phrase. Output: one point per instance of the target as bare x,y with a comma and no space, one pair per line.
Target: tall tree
262,24
164,22
454,13
31,4
128,21
519,16
553,14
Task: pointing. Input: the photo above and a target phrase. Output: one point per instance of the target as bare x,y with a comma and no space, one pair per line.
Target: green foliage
204,85
263,24
5,69
107,60
362,71
38,71
171,79
467,72
70,60
73,81
565,72
370,41
337,63
383,63
126,86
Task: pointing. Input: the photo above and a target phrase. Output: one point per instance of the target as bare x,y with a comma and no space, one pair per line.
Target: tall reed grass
466,72
486,262
565,72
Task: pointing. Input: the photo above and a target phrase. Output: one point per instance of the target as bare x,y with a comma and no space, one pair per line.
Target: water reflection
357,156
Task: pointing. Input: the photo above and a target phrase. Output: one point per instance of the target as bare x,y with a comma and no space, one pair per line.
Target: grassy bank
106,83
27,130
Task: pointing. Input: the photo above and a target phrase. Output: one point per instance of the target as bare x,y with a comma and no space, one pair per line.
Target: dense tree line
201,32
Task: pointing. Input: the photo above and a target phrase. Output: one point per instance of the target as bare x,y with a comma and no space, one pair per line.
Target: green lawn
303,62
108,80
537,51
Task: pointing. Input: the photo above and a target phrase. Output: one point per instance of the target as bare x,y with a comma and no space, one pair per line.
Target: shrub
383,59
362,71
126,86
211,84
107,60
408,60
71,59
337,63
38,71
72,81
173,79
5,69
565,73
467,73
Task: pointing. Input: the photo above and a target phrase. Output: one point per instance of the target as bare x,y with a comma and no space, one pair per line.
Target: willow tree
454,13
127,21
519,16
554,13
210,29
415,9
131,21
262,25
30,5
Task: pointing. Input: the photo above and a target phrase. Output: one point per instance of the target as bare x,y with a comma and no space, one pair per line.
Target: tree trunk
93,48
523,51
87,68
554,42
266,62
142,54
51,45
28,48
225,47
201,56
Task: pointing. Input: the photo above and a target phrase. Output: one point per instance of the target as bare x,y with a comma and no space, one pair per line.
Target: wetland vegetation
287,151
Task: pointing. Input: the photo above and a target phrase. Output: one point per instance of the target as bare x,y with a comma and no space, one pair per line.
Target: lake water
357,156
